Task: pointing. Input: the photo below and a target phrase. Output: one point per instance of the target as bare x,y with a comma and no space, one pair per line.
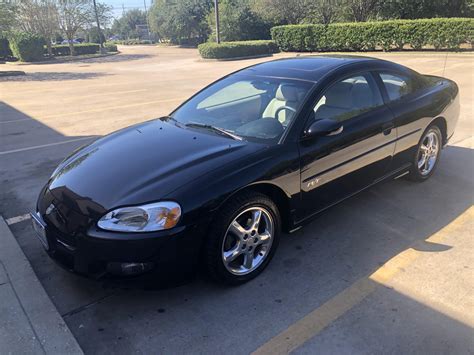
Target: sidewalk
29,321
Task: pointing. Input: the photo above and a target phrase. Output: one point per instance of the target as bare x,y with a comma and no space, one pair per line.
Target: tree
39,17
8,16
282,12
362,10
412,9
182,22
102,15
239,22
125,26
324,11
73,15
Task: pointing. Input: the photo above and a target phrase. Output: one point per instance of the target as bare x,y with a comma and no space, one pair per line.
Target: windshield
250,107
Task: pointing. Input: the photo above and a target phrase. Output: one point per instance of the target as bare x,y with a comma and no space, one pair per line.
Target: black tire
214,242
415,173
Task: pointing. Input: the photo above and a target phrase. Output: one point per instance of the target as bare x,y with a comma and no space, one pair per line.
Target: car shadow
343,245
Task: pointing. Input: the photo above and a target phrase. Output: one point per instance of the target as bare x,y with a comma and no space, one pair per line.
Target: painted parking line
13,121
44,145
17,219
313,323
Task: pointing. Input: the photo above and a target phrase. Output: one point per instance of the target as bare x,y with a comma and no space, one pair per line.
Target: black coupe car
260,151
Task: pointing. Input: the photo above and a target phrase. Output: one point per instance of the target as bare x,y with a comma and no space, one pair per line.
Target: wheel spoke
237,229
256,216
265,238
422,161
430,141
248,260
232,254
427,163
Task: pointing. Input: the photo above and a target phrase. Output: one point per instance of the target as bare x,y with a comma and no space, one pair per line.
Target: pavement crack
86,306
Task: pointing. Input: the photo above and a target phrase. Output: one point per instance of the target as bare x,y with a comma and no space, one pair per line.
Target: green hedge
442,33
110,47
27,47
5,51
83,48
237,49
130,42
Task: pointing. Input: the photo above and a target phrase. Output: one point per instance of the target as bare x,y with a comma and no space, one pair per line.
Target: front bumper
100,254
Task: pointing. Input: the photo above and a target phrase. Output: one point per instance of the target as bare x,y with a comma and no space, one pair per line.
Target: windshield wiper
213,128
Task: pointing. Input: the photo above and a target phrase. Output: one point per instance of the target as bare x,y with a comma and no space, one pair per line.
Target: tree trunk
50,49
71,47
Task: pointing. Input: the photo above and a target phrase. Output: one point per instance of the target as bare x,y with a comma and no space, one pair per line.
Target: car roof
309,68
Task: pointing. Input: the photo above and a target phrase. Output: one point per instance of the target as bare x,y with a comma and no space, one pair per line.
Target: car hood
140,164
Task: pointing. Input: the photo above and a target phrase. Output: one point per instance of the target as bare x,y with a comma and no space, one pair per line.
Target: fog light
129,269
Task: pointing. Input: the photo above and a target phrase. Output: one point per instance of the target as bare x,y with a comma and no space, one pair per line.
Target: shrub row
83,48
27,47
130,42
237,49
110,47
441,33
5,51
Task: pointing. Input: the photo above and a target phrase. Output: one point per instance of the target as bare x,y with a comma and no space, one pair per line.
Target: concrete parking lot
390,270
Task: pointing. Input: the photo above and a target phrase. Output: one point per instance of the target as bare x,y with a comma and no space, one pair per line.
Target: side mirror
323,127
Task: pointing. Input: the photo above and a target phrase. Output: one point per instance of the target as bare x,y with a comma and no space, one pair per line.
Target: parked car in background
262,150
72,41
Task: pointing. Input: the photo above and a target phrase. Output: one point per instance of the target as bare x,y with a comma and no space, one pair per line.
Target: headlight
147,218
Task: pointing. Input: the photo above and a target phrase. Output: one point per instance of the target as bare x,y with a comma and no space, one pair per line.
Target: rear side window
397,85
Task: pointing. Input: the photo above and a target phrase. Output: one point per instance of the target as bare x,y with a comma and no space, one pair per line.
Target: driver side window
348,98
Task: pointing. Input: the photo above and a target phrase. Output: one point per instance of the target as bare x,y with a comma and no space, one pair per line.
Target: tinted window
248,106
348,98
397,85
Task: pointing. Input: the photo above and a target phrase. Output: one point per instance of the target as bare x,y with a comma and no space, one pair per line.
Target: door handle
387,128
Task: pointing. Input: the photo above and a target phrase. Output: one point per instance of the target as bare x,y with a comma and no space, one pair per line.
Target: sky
127,4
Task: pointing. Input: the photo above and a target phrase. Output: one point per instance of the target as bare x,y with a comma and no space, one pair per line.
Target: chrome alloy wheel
428,153
248,241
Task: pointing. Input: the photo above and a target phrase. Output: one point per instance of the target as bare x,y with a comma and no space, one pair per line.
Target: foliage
73,15
5,51
125,26
388,35
237,49
282,12
362,10
8,16
131,42
40,17
239,22
413,9
110,47
182,22
27,47
93,36
83,48
323,11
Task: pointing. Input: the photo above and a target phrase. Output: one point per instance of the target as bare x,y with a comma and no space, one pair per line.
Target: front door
335,166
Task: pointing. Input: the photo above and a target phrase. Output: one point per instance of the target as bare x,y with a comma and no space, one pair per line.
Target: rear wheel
427,155
243,238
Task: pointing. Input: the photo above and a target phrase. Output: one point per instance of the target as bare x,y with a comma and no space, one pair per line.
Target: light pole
216,8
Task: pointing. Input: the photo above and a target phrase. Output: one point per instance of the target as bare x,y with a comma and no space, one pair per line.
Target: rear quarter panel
415,112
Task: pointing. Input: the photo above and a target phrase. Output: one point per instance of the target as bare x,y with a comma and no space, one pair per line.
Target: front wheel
243,238
427,155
